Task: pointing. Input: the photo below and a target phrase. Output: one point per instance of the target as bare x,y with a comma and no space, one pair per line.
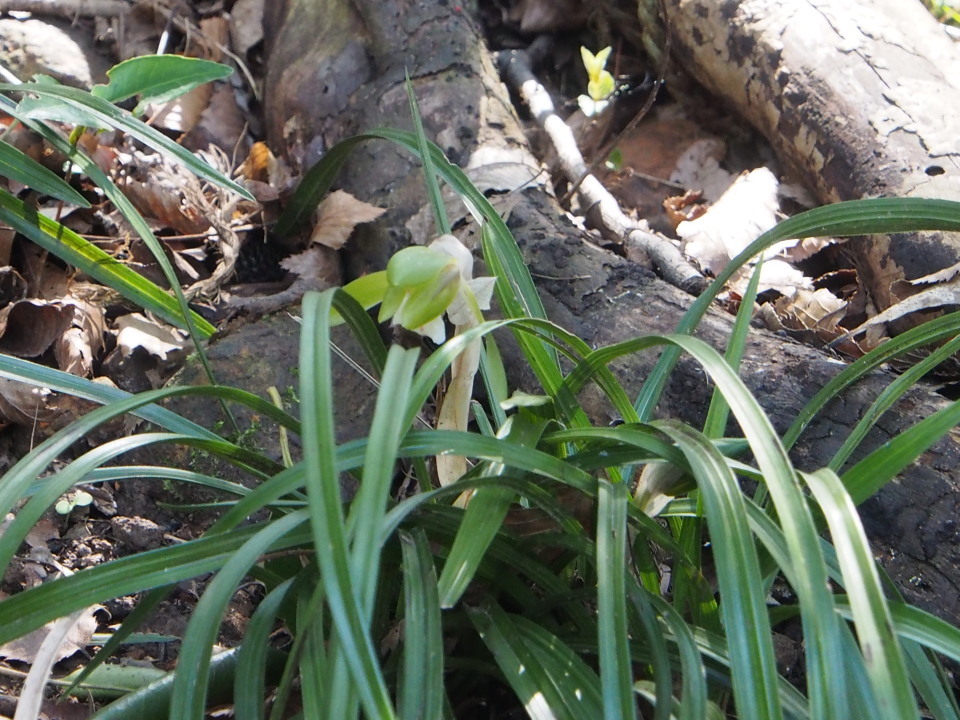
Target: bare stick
603,210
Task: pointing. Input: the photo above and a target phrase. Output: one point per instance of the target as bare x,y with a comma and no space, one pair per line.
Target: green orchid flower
420,284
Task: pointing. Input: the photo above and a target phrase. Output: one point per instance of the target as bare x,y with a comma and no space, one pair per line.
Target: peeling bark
598,295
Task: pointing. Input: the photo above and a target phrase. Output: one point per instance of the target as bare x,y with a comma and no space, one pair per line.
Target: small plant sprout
600,83
77,498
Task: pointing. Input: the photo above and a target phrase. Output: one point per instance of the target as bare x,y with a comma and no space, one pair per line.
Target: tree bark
859,96
351,79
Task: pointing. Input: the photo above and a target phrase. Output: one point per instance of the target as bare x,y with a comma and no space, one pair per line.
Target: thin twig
603,210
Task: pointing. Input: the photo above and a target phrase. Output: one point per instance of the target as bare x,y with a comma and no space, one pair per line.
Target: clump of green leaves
415,607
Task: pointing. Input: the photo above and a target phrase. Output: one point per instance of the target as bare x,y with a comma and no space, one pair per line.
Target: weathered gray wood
596,294
860,96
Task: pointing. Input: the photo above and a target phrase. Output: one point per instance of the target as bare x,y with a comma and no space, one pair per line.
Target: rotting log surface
600,296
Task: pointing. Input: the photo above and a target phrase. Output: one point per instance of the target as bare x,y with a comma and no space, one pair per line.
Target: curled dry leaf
24,404
29,327
936,297
82,342
339,213
25,648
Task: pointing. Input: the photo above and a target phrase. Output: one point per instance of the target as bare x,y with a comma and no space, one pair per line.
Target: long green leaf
21,476
616,675
430,176
693,701
879,467
30,609
108,115
881,651
327,521
70,247
189,696
820,625
484,516
387,429
421,689
20,370
742,596
888,397
249,690
915,338
544,682
18,166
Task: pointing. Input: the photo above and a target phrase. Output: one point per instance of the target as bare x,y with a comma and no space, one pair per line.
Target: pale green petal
368,290
430,300
415,266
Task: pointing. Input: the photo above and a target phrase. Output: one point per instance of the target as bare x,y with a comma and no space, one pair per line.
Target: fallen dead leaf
222,123
25,404
817,310
81,343
25,648
41,533
316,262
932,299
29,327
339,213
182,114
136,331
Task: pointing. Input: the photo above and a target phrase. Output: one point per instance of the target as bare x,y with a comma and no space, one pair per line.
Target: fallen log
346,74
858,96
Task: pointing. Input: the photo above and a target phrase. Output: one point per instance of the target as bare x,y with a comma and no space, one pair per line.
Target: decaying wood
859,96
339,69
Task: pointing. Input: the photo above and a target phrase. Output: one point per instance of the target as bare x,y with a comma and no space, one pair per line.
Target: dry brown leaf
182,114
222,123
25,648
932,299
25,404
29,327
339,213
214,36
817,310
79,346
315,262
41,533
